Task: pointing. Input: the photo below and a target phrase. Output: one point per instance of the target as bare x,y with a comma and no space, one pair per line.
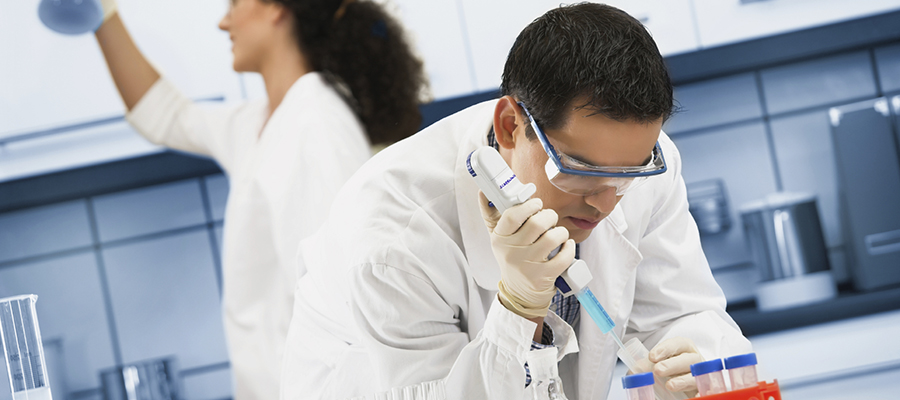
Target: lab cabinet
165,299
58,80
60,96
671,22
722,22
68,147
490,38
435,30
887,60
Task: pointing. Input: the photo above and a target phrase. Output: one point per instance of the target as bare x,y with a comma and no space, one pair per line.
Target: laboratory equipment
71,17
638,386
761,391
789,251
638,352
21,338
708,375
868,169
708,204
500,185
742,371
155,379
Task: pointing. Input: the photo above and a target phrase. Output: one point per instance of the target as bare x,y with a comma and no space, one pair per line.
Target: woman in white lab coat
339,77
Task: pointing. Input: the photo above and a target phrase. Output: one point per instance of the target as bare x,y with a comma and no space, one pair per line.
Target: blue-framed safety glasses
577,177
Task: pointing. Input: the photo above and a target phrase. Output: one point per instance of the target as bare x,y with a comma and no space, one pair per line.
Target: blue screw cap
637,380
703,368
742,360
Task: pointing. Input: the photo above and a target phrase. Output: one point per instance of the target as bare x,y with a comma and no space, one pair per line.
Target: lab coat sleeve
675,293
418,350
166,117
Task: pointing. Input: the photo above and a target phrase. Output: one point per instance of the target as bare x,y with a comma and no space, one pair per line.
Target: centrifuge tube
742,371
709,377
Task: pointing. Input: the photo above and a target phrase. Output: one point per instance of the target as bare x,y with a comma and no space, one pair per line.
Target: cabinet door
435,29
491,27
490,37
57,80
720,22
670,21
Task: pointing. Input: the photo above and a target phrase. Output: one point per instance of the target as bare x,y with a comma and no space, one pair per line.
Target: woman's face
249,23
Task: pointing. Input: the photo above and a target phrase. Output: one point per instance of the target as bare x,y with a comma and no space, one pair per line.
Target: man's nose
604,201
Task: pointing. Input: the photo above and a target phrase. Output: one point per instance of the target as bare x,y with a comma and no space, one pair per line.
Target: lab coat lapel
612,260
482,270
482,265
265,137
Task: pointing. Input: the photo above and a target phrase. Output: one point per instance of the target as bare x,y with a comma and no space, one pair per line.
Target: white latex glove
109,8
673,358
522,238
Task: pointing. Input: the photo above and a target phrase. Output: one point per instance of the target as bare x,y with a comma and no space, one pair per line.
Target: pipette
504,190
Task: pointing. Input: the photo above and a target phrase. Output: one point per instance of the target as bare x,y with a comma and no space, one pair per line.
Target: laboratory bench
847,304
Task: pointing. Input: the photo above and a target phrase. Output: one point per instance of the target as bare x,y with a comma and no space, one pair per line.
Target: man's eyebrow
581,160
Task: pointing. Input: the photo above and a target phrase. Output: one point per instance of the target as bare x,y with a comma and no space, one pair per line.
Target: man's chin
579,235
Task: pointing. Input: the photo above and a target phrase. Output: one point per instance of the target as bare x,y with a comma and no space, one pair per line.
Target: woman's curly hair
361,49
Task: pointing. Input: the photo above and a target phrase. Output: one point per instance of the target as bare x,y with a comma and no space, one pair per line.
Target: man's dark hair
593,54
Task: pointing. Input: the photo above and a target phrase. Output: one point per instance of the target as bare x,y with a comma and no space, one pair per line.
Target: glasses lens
655,164
589,185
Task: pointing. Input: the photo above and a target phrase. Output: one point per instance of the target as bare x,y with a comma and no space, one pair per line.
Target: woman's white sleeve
167,117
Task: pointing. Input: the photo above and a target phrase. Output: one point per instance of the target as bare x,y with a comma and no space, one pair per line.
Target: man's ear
507,120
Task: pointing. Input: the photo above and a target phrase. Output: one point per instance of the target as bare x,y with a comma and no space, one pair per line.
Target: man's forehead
594,138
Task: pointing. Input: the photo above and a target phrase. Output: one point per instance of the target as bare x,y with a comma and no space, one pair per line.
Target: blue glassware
71,17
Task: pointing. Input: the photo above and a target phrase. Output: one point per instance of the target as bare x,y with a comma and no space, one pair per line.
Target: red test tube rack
763,391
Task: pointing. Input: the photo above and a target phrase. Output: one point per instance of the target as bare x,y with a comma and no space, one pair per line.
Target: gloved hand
522,238
109,8
673,358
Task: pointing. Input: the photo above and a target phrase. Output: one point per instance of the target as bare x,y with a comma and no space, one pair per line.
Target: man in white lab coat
400,293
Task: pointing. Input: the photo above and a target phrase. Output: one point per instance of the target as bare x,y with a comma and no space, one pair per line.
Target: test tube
21,339
742,371
709,377
638,386
640,357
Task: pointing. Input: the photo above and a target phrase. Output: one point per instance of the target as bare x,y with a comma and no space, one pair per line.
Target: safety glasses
577,177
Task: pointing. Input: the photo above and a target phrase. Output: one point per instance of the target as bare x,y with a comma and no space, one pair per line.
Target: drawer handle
883,243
